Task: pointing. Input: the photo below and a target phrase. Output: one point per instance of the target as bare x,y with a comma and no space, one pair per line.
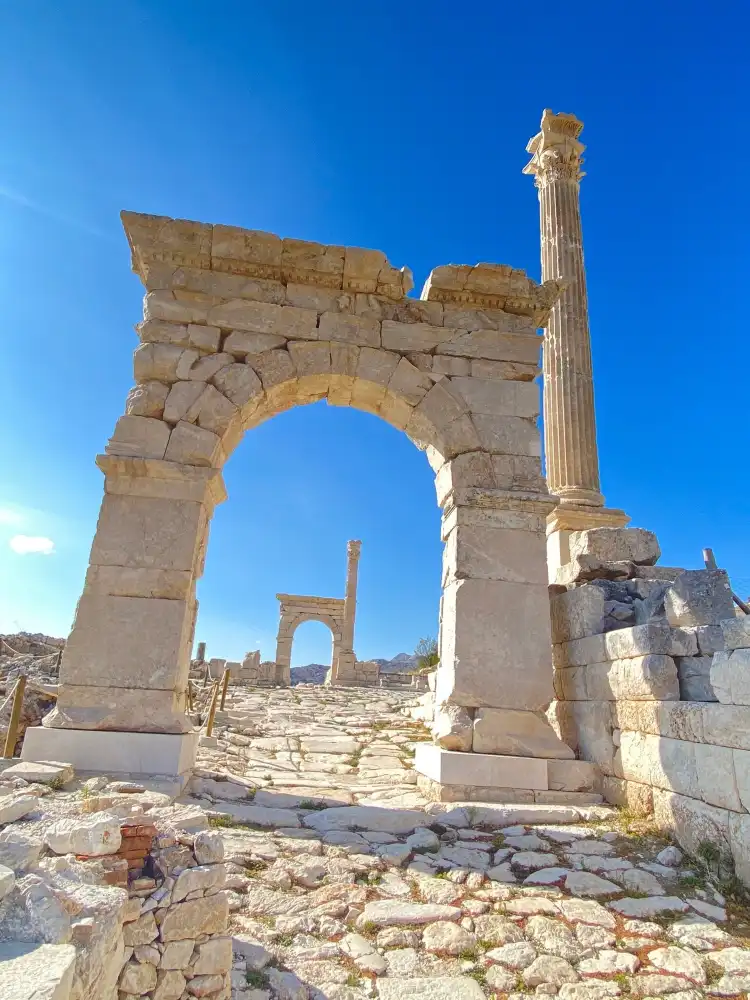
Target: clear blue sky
395,126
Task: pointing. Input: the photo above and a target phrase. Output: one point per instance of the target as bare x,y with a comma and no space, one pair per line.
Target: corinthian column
571,455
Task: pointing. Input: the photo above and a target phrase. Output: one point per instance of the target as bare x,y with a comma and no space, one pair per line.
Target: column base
171,755
454,776
566,518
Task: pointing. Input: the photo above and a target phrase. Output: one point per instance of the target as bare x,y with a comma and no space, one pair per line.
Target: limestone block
361,269
676,719
625,642
730,677
516,734
493,346
207,366
573,776
693,821
694,673
503,370
395,410
518,472
241,343
447,365
367,396
500,399
442,405
614,544
315,263
215,412
736,632
148,532
203,338
587,727
570,684
710,639
195,917
660,762
739,841
344,358
495,646
147,399
129,581
94,835
131,642
649,677
413,336
162,362
239,384
727,725
191,445
716,777
459,436
632,795
359,330
252,317
471,469
154,331
164,305
182,402
409,382
577,613
699,597
741,762
246,245
376,365
453,768
482,552
452,727
139,437
509,436
273,367
582,569
310,357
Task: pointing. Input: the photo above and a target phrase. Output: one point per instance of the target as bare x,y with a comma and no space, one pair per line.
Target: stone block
652,677
215,412
693,822
183,401
413,336
240,343
360,330
409,383
511,436
472,469
516,734
727,725
246,245
148,532
573,776
710,639
679,720
577,613
739,843
163,362
630,794
131,642
273,368
191,445
694,673
730,677
620,644
376,365
452,728
614,544
493,345
239,383
147,399
587,727
736,632
499,399
115,708
476,550
113,753
716,777
310,357
495,646
660,762
699,597
451,768
162,304
130,581
139,437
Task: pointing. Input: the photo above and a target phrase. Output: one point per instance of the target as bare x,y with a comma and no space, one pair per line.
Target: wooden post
224,686
15,716
212,709
708,559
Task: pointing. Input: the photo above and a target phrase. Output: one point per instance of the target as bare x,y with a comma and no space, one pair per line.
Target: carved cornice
557,154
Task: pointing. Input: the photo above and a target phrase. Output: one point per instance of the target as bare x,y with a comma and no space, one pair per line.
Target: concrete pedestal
113,753
454,776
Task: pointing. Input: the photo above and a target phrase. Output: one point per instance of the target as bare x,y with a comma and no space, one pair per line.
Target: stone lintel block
169,480
148,532
113,753
450,767
637,640
736,633
515,733
133,642
129,581
615,544
699,597
573,776
495,646
477,550
730,676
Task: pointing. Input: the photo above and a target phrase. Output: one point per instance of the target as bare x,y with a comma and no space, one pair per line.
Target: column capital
556,151
353,548
151,477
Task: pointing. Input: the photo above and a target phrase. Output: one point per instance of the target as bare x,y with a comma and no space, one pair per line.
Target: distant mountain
315,673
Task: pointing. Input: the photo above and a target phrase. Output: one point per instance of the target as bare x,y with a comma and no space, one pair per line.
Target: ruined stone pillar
124,671
343,662
572,461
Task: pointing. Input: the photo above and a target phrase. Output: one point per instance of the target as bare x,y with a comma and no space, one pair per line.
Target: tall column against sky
571,455
353,549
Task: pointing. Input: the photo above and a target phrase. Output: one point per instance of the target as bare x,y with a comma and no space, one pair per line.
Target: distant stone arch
239,326
296,609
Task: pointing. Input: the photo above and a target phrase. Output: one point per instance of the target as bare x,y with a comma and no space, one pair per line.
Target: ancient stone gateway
337,613
240,325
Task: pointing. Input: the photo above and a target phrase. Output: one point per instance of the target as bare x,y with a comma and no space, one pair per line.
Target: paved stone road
345,883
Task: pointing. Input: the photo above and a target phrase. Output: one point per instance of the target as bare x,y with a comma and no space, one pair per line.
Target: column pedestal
567,518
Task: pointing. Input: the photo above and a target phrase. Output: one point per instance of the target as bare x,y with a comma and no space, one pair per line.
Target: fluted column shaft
569,419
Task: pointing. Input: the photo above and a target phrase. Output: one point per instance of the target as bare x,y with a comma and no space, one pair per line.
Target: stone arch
239,326
297,609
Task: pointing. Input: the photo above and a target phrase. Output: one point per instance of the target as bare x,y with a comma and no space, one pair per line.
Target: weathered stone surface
388,913
93,835
694,673
516,734
730,677
736,632
396,821
452,728
36,971
195,917
14,807
615,544
699,597
550,969
447,938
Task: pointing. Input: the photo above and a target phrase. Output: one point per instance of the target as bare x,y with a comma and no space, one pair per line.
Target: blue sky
400,127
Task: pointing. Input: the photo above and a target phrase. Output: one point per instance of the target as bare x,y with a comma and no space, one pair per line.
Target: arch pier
238,326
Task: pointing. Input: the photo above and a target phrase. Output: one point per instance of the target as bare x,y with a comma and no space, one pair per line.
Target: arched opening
313,651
